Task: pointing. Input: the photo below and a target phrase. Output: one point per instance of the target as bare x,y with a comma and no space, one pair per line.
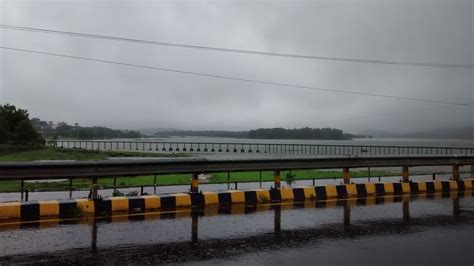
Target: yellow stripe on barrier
438,186
331,191
119,203
152,202
309,192
210,198
10,210
286,194
406,187
237,196
421,186
351,190
370,188
388,187
263,195
468,184
49,208
182,199
85,205
453,185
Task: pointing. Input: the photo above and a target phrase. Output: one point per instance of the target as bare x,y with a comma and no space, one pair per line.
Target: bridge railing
276,148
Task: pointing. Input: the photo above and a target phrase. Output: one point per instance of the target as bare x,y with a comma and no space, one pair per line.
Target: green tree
16,128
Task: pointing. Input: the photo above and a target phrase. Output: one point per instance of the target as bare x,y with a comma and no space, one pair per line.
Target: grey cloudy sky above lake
91,93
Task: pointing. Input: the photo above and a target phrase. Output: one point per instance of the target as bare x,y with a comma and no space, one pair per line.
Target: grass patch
10,153
179,179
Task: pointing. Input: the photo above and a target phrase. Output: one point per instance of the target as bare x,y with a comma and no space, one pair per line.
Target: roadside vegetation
183,179
15,153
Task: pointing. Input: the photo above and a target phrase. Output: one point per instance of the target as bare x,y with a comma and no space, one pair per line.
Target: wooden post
195,183
94,191
277,179
405,174
346,175
455,172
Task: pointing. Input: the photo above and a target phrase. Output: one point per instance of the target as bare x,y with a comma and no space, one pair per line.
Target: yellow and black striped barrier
33,210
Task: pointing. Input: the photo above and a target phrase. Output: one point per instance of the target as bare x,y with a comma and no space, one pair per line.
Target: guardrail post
346,175
277,179
405,174
22,189
70,188
455,172
195,183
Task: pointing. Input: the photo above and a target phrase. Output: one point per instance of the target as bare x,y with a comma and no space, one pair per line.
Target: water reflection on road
256,234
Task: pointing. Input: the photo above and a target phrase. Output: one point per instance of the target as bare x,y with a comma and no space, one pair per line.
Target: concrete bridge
264,148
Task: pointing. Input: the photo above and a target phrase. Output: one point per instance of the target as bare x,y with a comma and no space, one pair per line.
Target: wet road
389,230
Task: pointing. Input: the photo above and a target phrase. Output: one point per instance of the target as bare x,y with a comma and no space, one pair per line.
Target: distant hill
266,133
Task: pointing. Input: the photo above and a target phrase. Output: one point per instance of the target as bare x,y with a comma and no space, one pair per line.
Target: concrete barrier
33,210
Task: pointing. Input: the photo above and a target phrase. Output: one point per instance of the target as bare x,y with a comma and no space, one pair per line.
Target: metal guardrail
120,168
303,149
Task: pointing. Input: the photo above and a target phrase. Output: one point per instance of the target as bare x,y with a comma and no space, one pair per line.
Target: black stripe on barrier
361,190
197,199
446,186
321,193
275,195
224,199
136,204
250,198
30,211
461,186
168,202
379,189
67,209
430,187
414,187
397,188
341,191
102,207
298,195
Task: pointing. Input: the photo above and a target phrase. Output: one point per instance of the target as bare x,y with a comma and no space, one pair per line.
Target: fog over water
92,93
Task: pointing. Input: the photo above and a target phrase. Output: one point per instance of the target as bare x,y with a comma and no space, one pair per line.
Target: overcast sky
92,93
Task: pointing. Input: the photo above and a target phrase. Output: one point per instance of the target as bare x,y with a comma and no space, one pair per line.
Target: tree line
267,133
64,130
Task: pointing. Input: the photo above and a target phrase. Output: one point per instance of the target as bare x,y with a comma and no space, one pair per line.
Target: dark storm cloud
118,96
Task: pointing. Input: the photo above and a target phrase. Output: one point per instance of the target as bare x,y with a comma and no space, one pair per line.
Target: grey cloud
123,97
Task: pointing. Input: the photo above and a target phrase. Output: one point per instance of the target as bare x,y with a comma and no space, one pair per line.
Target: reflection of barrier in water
345,204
